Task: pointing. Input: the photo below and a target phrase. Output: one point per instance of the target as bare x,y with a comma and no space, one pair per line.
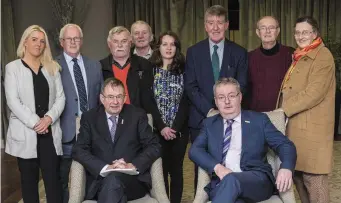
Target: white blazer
21,139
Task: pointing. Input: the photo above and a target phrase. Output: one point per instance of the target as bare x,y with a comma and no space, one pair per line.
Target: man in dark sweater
267,67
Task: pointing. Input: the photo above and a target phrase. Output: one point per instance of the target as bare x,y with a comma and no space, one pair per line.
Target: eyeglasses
119,97
231,97
270,28
75,39
305,33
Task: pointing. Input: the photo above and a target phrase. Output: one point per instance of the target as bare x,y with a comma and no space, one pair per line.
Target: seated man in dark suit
232,148
116,135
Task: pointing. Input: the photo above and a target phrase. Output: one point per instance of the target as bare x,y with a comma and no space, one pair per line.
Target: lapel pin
247,121
122,121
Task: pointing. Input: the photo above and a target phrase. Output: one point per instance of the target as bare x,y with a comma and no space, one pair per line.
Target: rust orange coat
308,99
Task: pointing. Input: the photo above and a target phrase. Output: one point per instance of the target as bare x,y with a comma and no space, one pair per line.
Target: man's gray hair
273,17
226,81
117,30
217,10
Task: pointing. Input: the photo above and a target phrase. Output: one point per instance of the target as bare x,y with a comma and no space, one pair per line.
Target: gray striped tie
227,139
113,128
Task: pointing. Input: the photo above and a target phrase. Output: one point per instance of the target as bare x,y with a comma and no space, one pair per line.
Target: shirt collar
220,44
118,65
236,119
108,116
68,58
150,52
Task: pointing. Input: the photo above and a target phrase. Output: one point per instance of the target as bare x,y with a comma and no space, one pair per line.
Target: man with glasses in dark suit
116,135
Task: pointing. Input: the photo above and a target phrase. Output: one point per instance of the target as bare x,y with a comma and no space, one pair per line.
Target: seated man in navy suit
116,135
232,148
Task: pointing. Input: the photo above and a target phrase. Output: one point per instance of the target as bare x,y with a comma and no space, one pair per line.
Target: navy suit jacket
94,84
258,134
199,79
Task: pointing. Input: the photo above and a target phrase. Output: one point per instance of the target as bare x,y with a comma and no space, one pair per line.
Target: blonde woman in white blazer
35,96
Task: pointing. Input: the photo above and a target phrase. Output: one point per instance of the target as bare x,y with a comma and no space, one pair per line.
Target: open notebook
126,171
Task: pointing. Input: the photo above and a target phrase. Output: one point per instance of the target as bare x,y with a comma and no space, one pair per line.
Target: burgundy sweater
266,73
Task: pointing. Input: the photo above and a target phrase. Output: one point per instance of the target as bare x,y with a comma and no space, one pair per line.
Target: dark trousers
247,186
65,165
173,152
194,133
48,161
120,188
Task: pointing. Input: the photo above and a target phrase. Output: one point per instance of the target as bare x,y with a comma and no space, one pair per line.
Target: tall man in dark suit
232,148
207,61
135,72
116,135
82,80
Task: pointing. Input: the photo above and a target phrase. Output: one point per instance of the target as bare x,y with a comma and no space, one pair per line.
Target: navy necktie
227,139
215,63
113,128
83,99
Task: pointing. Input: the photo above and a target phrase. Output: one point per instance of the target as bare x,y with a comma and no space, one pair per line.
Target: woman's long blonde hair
46,57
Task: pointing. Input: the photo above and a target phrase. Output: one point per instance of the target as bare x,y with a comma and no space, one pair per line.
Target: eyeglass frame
271,29
231,97
305,33
119,97
75,39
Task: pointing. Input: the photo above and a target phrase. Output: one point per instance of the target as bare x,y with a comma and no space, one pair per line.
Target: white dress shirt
70,64
110,123
232,160
147,56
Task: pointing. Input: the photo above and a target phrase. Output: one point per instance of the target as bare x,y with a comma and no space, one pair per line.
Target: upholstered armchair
157,193
278,119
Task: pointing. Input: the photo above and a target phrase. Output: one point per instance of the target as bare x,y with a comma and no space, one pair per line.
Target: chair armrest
288,196
150,120
203,179
158,190
77,184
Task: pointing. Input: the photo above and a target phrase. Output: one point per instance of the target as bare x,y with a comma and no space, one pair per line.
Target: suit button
290,87
76,114
76,99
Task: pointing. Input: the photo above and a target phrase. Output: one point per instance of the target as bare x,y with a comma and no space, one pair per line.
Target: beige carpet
335,179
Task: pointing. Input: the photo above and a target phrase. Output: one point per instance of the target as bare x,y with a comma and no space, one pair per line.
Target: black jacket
139,81
134,142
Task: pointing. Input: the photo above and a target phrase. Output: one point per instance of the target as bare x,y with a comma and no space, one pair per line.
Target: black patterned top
168,90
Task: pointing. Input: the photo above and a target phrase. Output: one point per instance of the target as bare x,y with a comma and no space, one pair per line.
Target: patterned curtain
185,17
324,11
67,11
8,54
